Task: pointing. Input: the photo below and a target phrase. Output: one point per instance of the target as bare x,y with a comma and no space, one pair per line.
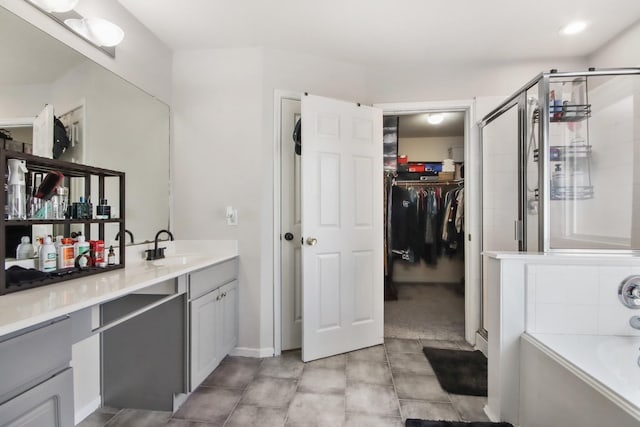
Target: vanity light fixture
101,33
97,30
435,119
573,28
57,6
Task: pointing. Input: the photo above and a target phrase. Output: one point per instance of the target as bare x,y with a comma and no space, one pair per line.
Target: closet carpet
433,311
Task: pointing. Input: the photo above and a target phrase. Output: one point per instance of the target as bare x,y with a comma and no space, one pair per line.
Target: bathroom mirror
113,124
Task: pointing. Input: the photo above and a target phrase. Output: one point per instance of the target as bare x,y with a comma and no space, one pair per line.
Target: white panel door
43,133
291,251
342,227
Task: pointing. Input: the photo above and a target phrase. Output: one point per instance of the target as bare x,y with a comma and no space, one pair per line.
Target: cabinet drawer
210,278
29,358
49,404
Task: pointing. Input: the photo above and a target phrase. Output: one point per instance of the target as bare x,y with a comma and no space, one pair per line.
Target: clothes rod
428,183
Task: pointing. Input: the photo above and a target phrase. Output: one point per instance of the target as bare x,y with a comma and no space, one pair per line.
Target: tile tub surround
27,308
550,293
577,299
377,386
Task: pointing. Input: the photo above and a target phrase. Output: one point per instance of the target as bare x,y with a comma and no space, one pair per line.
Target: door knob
311,241
288,236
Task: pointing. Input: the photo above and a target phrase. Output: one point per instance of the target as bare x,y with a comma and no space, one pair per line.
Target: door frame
472,248
472,204
278,96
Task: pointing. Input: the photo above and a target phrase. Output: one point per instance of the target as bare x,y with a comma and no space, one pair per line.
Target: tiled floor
377,386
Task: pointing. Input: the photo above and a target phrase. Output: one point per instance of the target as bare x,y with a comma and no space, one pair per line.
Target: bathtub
579,380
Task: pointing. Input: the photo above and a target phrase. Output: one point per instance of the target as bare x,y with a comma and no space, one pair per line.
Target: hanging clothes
453,221
423,222
404,223
430,214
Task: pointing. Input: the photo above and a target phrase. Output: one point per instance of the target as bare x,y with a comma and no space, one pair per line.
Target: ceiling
373,32
416,125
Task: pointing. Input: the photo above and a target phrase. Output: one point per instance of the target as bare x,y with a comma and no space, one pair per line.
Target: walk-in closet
424,225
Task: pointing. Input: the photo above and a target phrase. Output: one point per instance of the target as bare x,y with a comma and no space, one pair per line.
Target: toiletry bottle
80,247
48,256
25,249
97,253
58,242
111,257
103,211
63,201
16,189
66,256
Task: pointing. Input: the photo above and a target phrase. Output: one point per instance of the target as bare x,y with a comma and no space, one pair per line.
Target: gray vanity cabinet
213,305
36,382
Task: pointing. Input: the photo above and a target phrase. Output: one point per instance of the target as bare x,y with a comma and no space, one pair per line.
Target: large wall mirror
112,123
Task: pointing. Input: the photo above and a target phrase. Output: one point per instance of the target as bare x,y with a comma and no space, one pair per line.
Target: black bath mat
459,371
424,423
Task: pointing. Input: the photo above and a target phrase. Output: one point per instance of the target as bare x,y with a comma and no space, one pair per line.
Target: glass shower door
500,191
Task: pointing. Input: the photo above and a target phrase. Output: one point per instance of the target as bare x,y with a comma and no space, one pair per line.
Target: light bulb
97,30
435,119
573,28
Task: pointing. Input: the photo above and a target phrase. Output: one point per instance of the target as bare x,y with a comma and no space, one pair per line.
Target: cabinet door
204,355
49,404
227,319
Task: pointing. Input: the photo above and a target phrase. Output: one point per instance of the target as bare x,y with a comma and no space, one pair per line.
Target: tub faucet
156,252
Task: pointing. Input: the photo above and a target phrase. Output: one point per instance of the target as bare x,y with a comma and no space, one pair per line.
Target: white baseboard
490,414
482,344
87,410
253,352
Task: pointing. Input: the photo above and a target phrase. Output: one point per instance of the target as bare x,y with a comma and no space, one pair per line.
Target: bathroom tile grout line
298,381
393,381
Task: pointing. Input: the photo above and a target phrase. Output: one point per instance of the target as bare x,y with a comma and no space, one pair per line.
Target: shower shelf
570,113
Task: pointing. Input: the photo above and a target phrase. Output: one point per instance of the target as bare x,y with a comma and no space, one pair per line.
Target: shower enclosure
561,165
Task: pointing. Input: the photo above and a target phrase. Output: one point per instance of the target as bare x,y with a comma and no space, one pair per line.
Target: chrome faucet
156,252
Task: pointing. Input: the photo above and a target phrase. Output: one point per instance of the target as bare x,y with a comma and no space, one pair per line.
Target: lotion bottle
48,256
80,247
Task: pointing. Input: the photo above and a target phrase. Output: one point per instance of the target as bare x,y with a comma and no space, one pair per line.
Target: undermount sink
175,260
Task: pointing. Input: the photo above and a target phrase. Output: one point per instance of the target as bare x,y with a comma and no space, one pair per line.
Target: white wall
432,149
23,101
224,154
622,51
401,83
218,158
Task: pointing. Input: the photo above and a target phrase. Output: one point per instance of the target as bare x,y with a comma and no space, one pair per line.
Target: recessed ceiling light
573,28
435,119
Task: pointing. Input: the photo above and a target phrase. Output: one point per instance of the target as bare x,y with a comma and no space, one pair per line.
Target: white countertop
566,257
26,308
